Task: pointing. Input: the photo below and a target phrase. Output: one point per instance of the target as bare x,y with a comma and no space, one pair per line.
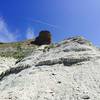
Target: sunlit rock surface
70,70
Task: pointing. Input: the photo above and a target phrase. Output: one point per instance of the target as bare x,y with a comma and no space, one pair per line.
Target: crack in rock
13,71
65,61
70,62
76,49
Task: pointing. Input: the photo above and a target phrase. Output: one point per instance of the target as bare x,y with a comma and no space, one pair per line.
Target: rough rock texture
6,64
43,38
69,71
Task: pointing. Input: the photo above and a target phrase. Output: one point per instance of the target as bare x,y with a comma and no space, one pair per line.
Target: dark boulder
43,38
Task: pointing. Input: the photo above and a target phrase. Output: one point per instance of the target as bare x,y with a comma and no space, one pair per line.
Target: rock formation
70,70
43,38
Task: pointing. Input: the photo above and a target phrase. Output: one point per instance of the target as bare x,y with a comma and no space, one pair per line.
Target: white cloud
30,33
5,34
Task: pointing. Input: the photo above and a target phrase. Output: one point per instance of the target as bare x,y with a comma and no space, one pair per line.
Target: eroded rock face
6,63
69,71
43,38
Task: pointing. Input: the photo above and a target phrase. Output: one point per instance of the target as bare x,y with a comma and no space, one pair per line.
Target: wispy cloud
5,34
30,33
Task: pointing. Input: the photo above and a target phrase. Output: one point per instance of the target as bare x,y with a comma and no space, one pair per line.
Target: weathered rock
69,71
13,70
65,61
43,38
85,97
6,63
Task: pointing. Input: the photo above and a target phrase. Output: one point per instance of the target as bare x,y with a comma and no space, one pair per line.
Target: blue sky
70,18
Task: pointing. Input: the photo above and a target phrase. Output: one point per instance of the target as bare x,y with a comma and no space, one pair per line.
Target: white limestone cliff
69,71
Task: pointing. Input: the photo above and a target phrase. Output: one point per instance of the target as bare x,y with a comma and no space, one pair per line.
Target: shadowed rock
13,71
65,61
43,38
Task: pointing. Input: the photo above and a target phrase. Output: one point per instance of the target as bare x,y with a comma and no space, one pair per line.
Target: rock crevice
14,70
65,61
